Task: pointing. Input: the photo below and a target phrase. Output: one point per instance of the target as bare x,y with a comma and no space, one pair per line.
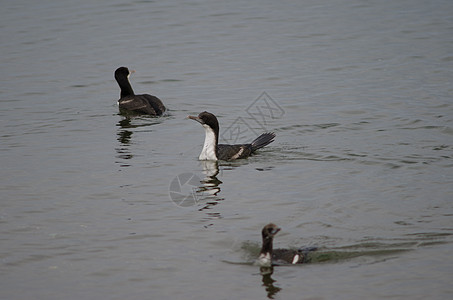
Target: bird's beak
195,118
276,231
130,73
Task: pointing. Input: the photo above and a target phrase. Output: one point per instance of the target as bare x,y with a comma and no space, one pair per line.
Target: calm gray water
97,206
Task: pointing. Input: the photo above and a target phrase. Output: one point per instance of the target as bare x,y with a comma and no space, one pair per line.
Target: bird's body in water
212,150
269,256
138,104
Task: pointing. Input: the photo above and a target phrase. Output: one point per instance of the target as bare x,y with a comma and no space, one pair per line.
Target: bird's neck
209,151
267,245
265,258
126,88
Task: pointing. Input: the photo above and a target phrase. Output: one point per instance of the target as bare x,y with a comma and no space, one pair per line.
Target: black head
121,76
206,118
269,231
122,72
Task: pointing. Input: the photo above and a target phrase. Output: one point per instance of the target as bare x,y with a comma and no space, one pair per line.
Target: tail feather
263,140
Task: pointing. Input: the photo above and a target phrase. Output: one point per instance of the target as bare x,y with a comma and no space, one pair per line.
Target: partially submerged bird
212,150
139,104
269,256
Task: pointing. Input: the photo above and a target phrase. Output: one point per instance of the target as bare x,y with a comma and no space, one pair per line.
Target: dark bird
269,256
212,150
139,104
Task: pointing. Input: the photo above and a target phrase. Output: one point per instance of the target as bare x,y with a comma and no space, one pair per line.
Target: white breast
208,151
264,260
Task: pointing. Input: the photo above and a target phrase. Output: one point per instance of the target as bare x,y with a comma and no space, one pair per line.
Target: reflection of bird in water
210,188
210,168
126,129
124,136
269,256
268,282
210,182
139,104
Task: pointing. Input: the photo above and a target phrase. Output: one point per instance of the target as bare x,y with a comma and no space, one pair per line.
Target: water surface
358,93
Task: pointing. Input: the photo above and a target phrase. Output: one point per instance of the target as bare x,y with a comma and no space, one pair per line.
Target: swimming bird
212,150
269,256
140,104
